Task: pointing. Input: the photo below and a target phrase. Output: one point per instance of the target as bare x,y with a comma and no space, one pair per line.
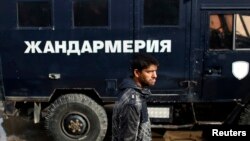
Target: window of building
161,12
90,13
229,31
34,14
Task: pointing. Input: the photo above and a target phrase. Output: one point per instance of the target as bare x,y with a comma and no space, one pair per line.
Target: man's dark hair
142,61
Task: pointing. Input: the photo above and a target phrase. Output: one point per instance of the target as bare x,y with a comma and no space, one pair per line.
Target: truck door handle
213,71
54,76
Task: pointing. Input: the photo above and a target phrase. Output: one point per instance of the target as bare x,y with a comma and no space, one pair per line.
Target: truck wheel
245,116
76,117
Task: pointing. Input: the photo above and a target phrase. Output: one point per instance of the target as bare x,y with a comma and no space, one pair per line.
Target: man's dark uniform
130,121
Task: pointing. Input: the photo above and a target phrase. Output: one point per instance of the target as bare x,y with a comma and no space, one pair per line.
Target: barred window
34,14
161,12
229,31
90,13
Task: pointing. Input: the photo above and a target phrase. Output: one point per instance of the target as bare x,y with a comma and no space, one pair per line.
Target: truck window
34,14
229,31
242,37
161,12
90,13
221,31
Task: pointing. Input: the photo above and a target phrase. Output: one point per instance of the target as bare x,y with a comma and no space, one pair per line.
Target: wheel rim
75,125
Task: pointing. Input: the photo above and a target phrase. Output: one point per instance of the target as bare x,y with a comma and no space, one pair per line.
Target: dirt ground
23,129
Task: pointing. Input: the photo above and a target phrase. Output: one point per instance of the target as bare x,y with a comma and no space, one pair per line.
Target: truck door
166,20
227,52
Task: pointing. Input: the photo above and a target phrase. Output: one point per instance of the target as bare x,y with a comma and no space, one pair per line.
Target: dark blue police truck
62,61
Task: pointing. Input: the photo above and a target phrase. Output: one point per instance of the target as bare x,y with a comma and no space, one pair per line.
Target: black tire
76,117
245,116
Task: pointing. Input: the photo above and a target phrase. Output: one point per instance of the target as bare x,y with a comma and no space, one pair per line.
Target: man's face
146,77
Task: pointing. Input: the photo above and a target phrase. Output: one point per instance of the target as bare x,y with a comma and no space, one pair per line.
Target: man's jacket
130,120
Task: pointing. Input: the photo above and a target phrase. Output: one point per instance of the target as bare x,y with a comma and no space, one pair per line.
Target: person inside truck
221,31
130,120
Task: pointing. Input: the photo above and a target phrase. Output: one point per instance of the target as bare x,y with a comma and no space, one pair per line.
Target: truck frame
64,60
